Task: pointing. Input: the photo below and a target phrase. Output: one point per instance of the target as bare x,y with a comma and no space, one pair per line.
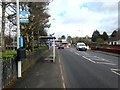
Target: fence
110,48
9,71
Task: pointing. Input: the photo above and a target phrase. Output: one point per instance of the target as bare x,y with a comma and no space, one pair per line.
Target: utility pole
18,37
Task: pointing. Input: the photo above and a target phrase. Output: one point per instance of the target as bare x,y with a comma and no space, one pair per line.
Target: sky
82,17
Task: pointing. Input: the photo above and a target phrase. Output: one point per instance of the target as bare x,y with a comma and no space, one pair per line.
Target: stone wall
9,71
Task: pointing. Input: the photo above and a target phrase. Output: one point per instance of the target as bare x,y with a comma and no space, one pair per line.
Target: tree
118,33
95,35
38,21
63,37
8,40
104,36
99,41
114,33
3,26
69,39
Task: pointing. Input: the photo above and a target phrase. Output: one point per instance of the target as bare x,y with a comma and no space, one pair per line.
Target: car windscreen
81,45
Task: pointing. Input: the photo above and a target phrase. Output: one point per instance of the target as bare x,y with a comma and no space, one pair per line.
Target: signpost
18,36
22,16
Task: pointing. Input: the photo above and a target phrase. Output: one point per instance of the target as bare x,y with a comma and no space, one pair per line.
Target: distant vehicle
65,44
60,47
81,46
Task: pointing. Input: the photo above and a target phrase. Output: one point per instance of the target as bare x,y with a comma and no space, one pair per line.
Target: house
117,42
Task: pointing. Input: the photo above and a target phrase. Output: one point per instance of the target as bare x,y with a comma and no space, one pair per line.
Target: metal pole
53,50
18,36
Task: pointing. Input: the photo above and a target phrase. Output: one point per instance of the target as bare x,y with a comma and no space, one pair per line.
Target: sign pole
53,50
18,37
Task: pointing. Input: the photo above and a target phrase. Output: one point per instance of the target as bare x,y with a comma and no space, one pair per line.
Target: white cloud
84,15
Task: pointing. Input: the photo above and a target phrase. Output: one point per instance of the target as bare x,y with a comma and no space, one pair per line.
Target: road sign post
53,50
18,36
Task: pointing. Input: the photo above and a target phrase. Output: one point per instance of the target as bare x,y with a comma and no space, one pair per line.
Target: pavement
44,74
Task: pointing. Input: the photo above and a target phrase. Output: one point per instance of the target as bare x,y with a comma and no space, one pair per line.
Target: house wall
114,43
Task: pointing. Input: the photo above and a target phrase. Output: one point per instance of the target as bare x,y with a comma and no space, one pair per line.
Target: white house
114,42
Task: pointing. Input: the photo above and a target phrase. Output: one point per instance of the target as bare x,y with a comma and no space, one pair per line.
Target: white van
81,46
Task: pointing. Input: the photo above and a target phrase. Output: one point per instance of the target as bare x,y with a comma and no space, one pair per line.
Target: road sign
21,41
24,17
14,31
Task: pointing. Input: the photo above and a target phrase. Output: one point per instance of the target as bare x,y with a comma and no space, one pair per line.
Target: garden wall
9,71
110,48
1,70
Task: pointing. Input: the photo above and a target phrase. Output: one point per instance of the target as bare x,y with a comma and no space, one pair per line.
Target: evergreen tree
95,35
114,33
104,36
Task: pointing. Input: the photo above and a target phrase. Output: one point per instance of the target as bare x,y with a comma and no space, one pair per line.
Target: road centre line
89,59
76,53
114,71
106,63
101,58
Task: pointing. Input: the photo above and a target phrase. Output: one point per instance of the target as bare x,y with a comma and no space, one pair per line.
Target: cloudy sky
82,17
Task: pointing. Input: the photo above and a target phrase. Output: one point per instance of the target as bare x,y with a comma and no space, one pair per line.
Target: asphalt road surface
89,69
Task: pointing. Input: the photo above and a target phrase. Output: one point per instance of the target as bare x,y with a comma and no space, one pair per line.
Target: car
61,47
81,46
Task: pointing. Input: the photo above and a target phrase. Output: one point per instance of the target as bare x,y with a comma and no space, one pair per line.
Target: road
89,69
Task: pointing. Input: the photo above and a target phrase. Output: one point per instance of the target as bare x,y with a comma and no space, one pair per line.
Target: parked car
81,46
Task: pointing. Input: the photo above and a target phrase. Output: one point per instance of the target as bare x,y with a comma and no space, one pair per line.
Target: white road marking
88,59
76,53
114,71
106,63
63,80
100,58
104,59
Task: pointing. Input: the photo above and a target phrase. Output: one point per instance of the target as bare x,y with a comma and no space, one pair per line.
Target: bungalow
117,42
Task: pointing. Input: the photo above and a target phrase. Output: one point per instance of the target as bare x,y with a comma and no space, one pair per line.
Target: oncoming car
81,46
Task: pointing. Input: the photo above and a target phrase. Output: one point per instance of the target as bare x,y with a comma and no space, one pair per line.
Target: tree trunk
3,26
32,41
38,40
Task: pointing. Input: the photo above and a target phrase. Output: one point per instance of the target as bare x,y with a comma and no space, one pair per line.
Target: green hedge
9,54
